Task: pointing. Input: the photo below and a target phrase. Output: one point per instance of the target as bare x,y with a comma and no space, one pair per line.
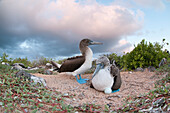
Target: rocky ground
135,83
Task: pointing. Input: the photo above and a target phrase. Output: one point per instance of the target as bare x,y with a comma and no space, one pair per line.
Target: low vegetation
19,95
39,61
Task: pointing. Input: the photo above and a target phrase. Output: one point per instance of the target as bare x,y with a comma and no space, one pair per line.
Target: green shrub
4,58
143,55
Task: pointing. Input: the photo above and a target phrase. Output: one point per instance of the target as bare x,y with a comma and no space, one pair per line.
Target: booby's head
103,60
86,42
101,63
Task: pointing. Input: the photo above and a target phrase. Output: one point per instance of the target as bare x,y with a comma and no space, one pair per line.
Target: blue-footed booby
79,64
106,76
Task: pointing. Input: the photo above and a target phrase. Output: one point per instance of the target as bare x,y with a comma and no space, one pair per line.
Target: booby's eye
90,42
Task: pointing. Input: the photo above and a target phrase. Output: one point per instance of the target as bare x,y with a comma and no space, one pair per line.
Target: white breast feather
87,64
103,80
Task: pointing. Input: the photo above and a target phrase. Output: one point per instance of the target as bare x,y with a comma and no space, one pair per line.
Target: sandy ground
132,84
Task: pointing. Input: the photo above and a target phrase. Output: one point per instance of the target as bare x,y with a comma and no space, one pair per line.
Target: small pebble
65,94
130,72
1,103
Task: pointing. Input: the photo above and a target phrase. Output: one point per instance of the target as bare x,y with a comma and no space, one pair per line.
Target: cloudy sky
54,28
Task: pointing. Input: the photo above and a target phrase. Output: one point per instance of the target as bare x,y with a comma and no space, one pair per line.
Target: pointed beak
95,43
98,67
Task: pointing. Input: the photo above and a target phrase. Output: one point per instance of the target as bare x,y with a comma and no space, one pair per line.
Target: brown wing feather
71,64
117,78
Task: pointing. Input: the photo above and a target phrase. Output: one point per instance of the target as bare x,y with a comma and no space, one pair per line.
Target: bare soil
135,83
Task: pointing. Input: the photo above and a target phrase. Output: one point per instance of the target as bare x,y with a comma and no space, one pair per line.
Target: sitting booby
106,76
79,64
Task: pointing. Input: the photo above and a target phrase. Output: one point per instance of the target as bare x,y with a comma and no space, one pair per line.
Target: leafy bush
4,58
143,55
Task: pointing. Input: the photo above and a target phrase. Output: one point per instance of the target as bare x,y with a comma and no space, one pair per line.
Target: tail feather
56,64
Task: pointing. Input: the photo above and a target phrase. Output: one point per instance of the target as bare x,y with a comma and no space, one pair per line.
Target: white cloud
122,46
63,16
66,21
24,45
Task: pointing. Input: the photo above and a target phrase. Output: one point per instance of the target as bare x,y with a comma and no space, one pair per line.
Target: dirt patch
135,83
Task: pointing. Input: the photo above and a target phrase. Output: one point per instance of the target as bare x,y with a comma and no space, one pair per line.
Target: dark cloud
54,29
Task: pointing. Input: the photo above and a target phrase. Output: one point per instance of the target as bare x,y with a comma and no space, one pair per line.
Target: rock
74,99
139,69
51,69
4,63
28,67
1,103
41,67
73,89
65,94
159,102
157,110
130,72
113,97
23,74
165,107
18,66
123,70
48,72
151,69
163,61
146,110
35,68
81,96
39,80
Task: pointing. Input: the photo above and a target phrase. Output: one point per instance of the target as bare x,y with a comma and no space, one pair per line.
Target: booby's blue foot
80,80
115,90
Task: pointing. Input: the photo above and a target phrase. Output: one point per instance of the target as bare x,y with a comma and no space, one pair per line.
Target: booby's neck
87,64
85,50
88,54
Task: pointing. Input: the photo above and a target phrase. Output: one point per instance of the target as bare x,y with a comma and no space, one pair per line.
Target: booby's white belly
102,80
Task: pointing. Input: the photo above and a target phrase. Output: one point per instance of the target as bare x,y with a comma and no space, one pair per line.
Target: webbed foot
80,80
115,90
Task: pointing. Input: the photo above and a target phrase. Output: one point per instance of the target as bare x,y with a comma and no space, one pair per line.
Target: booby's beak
98,67
95,43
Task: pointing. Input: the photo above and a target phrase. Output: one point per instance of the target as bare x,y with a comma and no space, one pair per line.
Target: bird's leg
80,76
80,80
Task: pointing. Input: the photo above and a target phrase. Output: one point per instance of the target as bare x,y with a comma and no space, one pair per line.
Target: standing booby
106,76
79,64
